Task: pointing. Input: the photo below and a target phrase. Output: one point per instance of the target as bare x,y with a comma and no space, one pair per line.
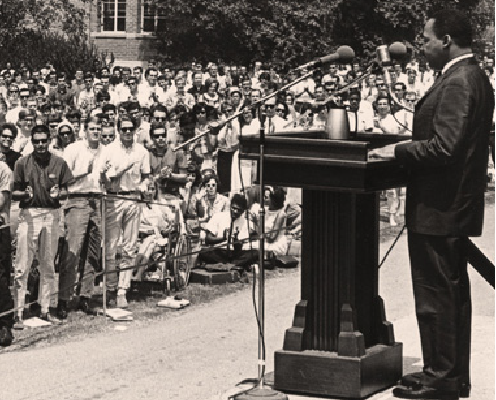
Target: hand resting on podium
384,153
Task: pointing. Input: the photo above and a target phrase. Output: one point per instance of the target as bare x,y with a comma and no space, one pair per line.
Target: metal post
261,274
104,264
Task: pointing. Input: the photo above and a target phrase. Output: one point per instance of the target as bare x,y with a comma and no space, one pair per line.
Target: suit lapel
441,78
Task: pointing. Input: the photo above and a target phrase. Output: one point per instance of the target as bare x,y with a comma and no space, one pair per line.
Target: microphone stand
260,391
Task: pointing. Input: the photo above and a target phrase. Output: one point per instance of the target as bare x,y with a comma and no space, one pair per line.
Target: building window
152,17
114,15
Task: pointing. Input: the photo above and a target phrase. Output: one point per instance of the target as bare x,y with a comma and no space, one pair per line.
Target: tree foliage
36,31
292,31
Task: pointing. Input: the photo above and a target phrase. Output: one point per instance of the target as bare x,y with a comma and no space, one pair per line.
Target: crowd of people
121,130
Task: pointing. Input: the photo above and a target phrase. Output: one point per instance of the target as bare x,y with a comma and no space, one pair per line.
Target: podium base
325,373
261,394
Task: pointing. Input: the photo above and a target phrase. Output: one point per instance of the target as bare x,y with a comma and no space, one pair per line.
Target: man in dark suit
447,160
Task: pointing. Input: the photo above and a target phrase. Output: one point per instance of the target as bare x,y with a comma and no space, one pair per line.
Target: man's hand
54,192
166,172
90,167
383,152
29,192
386,152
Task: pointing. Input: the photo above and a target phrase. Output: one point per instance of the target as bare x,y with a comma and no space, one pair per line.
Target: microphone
386,54
342,54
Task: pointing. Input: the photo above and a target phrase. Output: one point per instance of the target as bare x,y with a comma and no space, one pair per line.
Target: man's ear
446,41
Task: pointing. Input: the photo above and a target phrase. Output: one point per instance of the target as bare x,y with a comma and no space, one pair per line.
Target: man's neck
127,145
93,145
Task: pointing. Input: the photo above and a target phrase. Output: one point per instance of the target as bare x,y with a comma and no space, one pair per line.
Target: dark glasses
40,141
160,136
125,130
108,136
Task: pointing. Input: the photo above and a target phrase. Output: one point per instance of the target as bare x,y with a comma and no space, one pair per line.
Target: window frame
156,18
116,17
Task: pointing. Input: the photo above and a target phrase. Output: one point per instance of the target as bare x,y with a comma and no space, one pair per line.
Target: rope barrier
117,270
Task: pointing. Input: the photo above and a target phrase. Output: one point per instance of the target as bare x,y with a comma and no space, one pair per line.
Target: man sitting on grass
231,228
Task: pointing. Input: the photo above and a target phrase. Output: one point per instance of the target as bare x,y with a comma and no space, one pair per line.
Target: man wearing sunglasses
142,127
8,134
80,211
40,180
108,134
169,169
86,99
230,227
210,203
126,168
25,123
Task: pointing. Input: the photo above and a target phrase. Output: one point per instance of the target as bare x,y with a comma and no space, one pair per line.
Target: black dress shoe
415,379
62,310
5,336
424,392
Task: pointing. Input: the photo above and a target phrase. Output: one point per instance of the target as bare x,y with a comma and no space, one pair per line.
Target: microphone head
346,53
397,50
383,56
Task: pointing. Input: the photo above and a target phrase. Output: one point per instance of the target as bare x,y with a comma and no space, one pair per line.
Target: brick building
126,28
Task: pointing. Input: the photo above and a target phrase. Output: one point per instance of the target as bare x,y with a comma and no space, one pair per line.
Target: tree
289,32
36,31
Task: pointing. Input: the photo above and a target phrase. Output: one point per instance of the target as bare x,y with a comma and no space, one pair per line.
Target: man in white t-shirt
231,228
80,213
126,167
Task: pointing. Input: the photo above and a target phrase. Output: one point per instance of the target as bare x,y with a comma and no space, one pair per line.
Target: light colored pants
78,213
122,222
36,225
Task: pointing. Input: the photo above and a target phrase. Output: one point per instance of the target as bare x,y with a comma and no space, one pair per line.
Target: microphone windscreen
346,53
397,50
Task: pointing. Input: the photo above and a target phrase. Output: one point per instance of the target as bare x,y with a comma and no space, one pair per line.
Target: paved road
203,352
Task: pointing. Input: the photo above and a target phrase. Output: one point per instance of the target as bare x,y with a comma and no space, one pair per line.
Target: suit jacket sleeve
449,126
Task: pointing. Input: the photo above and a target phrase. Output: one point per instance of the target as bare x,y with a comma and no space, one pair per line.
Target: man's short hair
126,119
73,114
10,127
454,23
40,129
159,108
108,107
240,201
133,105
96,119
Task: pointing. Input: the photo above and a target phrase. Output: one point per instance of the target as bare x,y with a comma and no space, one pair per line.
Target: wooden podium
340,343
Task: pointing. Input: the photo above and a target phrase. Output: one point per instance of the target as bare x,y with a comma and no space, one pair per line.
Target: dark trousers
241,258
444,310
6,300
